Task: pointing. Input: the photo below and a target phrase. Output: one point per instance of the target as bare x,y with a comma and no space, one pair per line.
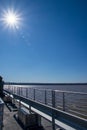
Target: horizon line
39,83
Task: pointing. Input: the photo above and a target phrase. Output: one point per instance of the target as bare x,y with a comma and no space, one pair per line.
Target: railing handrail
72,92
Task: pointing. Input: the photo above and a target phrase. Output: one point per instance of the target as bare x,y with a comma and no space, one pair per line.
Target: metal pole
63,101
53,105
45,97
14,90
53,98
39,120
19,91
19,104
29,108
34,94
26,92
13,100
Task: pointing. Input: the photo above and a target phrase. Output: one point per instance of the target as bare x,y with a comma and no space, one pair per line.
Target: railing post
19,104
14,90
34,94
53,98
13,100
63,101
53,105
26,92
19,91
45,97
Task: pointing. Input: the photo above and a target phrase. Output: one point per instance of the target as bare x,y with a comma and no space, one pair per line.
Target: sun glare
11,19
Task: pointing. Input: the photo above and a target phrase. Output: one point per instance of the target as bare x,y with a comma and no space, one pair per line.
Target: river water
74,88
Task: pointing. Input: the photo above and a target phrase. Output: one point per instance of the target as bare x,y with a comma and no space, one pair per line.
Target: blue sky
50,44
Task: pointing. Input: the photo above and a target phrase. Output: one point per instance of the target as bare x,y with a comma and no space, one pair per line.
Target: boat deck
10,123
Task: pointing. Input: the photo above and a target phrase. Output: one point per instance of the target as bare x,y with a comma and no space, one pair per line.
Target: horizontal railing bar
71,92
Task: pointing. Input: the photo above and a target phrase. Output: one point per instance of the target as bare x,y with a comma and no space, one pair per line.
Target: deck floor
9,122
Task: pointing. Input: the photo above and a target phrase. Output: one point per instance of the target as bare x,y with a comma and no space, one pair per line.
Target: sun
11,19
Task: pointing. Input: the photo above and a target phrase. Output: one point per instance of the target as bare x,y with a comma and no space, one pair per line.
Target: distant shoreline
20,83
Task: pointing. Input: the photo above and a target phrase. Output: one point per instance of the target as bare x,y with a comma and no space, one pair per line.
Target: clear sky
50,43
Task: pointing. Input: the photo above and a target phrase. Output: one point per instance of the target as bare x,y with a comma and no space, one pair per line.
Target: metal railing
71,102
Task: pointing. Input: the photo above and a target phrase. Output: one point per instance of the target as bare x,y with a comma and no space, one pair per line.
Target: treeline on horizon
31,83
